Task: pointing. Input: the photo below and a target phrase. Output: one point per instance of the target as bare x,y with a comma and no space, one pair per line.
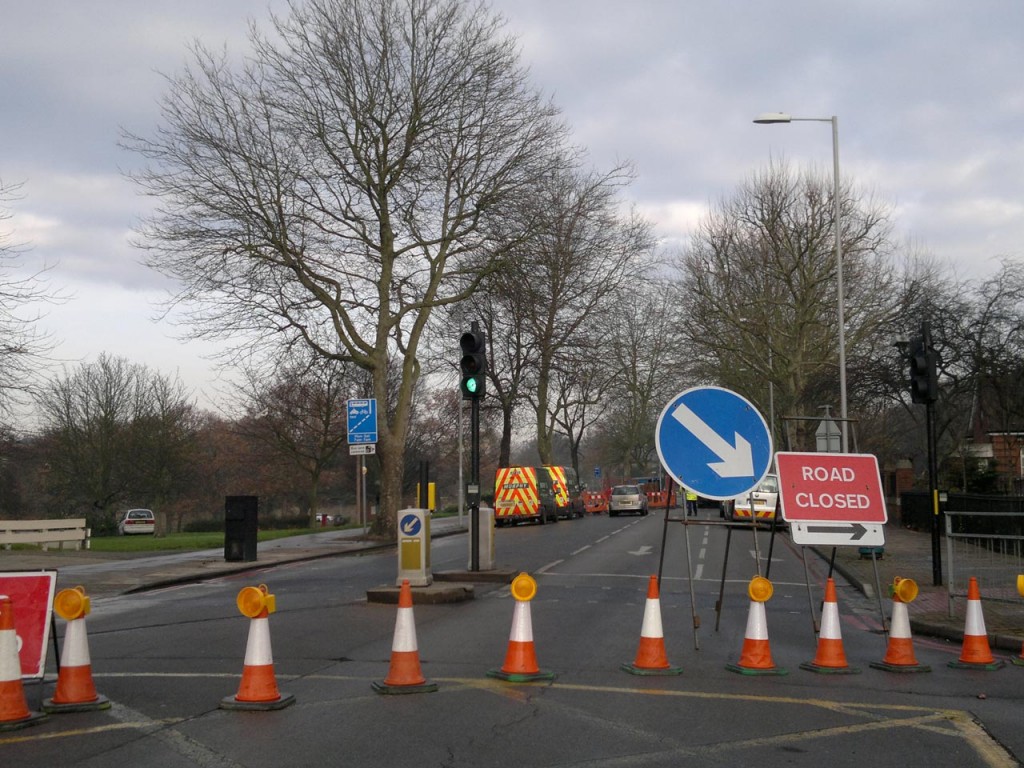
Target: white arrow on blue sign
713,442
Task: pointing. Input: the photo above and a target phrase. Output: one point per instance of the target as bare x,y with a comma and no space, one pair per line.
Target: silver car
627,498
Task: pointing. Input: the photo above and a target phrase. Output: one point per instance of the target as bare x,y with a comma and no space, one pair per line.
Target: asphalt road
166,658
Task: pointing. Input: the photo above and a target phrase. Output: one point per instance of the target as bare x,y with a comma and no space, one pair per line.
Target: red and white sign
832,498
31,594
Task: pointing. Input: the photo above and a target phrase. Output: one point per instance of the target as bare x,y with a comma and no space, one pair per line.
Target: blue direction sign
713,442
410,525
362,421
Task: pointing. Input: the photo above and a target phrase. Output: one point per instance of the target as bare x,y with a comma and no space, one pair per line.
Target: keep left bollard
258,689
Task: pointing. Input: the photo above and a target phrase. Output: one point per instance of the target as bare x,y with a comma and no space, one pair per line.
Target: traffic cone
404,675
521,656
975,653
651,658
14,711
899,654
830,657
756,657
76,691
258,688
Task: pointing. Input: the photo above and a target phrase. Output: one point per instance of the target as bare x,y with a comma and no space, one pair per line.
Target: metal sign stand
686,522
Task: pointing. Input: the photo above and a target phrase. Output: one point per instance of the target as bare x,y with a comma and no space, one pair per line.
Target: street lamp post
769,118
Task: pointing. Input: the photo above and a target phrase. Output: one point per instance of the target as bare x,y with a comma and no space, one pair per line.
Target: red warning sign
844,487
31,594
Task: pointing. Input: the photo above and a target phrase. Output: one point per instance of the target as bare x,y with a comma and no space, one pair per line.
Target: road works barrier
76,691
258,689
404,673
651,657
521,657
594,502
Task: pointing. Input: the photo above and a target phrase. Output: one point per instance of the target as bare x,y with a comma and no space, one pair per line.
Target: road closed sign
832,499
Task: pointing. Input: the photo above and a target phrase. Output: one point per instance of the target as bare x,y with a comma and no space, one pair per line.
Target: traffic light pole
933,489
474,483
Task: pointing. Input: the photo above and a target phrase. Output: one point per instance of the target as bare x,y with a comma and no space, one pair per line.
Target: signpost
832,499
716,444
362,441
836,500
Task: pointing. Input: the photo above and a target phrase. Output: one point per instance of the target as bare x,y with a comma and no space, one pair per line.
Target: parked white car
137,521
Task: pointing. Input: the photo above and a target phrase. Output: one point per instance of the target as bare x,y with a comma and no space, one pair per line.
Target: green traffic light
471,385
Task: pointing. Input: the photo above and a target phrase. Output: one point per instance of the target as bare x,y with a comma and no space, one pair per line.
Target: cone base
810,666
756,670
1017,661
633,669
232,703
991,666
899,667
520,677
387,688
34,718
53,707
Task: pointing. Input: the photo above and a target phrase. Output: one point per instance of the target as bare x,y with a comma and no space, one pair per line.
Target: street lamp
770,118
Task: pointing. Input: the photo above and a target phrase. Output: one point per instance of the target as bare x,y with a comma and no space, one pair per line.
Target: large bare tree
117,434
362,168
759,288
23,345
584,248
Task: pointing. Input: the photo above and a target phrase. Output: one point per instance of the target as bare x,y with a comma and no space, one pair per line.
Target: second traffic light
473,364
924,382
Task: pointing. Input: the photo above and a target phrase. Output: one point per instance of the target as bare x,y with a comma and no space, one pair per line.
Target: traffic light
473,364
924,382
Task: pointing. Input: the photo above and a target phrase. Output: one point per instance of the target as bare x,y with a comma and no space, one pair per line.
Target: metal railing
988,546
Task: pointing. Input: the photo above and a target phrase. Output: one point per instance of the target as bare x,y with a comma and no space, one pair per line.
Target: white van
766,499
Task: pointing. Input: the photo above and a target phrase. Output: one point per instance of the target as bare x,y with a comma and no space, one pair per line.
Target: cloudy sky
929,96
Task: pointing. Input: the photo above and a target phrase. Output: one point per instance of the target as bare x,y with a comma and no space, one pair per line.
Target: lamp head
768,118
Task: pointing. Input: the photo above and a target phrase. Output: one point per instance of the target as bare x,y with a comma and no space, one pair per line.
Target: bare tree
759,279
300,413
647,360
117,433
352,177
22,344
583,250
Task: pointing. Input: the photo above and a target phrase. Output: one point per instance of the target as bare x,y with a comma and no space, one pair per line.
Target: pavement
907,554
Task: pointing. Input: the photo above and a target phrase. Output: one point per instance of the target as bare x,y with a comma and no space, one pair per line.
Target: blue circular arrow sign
409,525
713,442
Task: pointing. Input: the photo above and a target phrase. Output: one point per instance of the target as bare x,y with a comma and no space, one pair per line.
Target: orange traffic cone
521,656
651,658
975,653
756,658
14,711
76,691
830,657
899,654
258,689
404,675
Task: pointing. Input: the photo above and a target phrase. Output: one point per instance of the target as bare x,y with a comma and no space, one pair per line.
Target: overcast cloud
929,98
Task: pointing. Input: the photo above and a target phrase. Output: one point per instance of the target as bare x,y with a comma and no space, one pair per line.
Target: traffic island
433,594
